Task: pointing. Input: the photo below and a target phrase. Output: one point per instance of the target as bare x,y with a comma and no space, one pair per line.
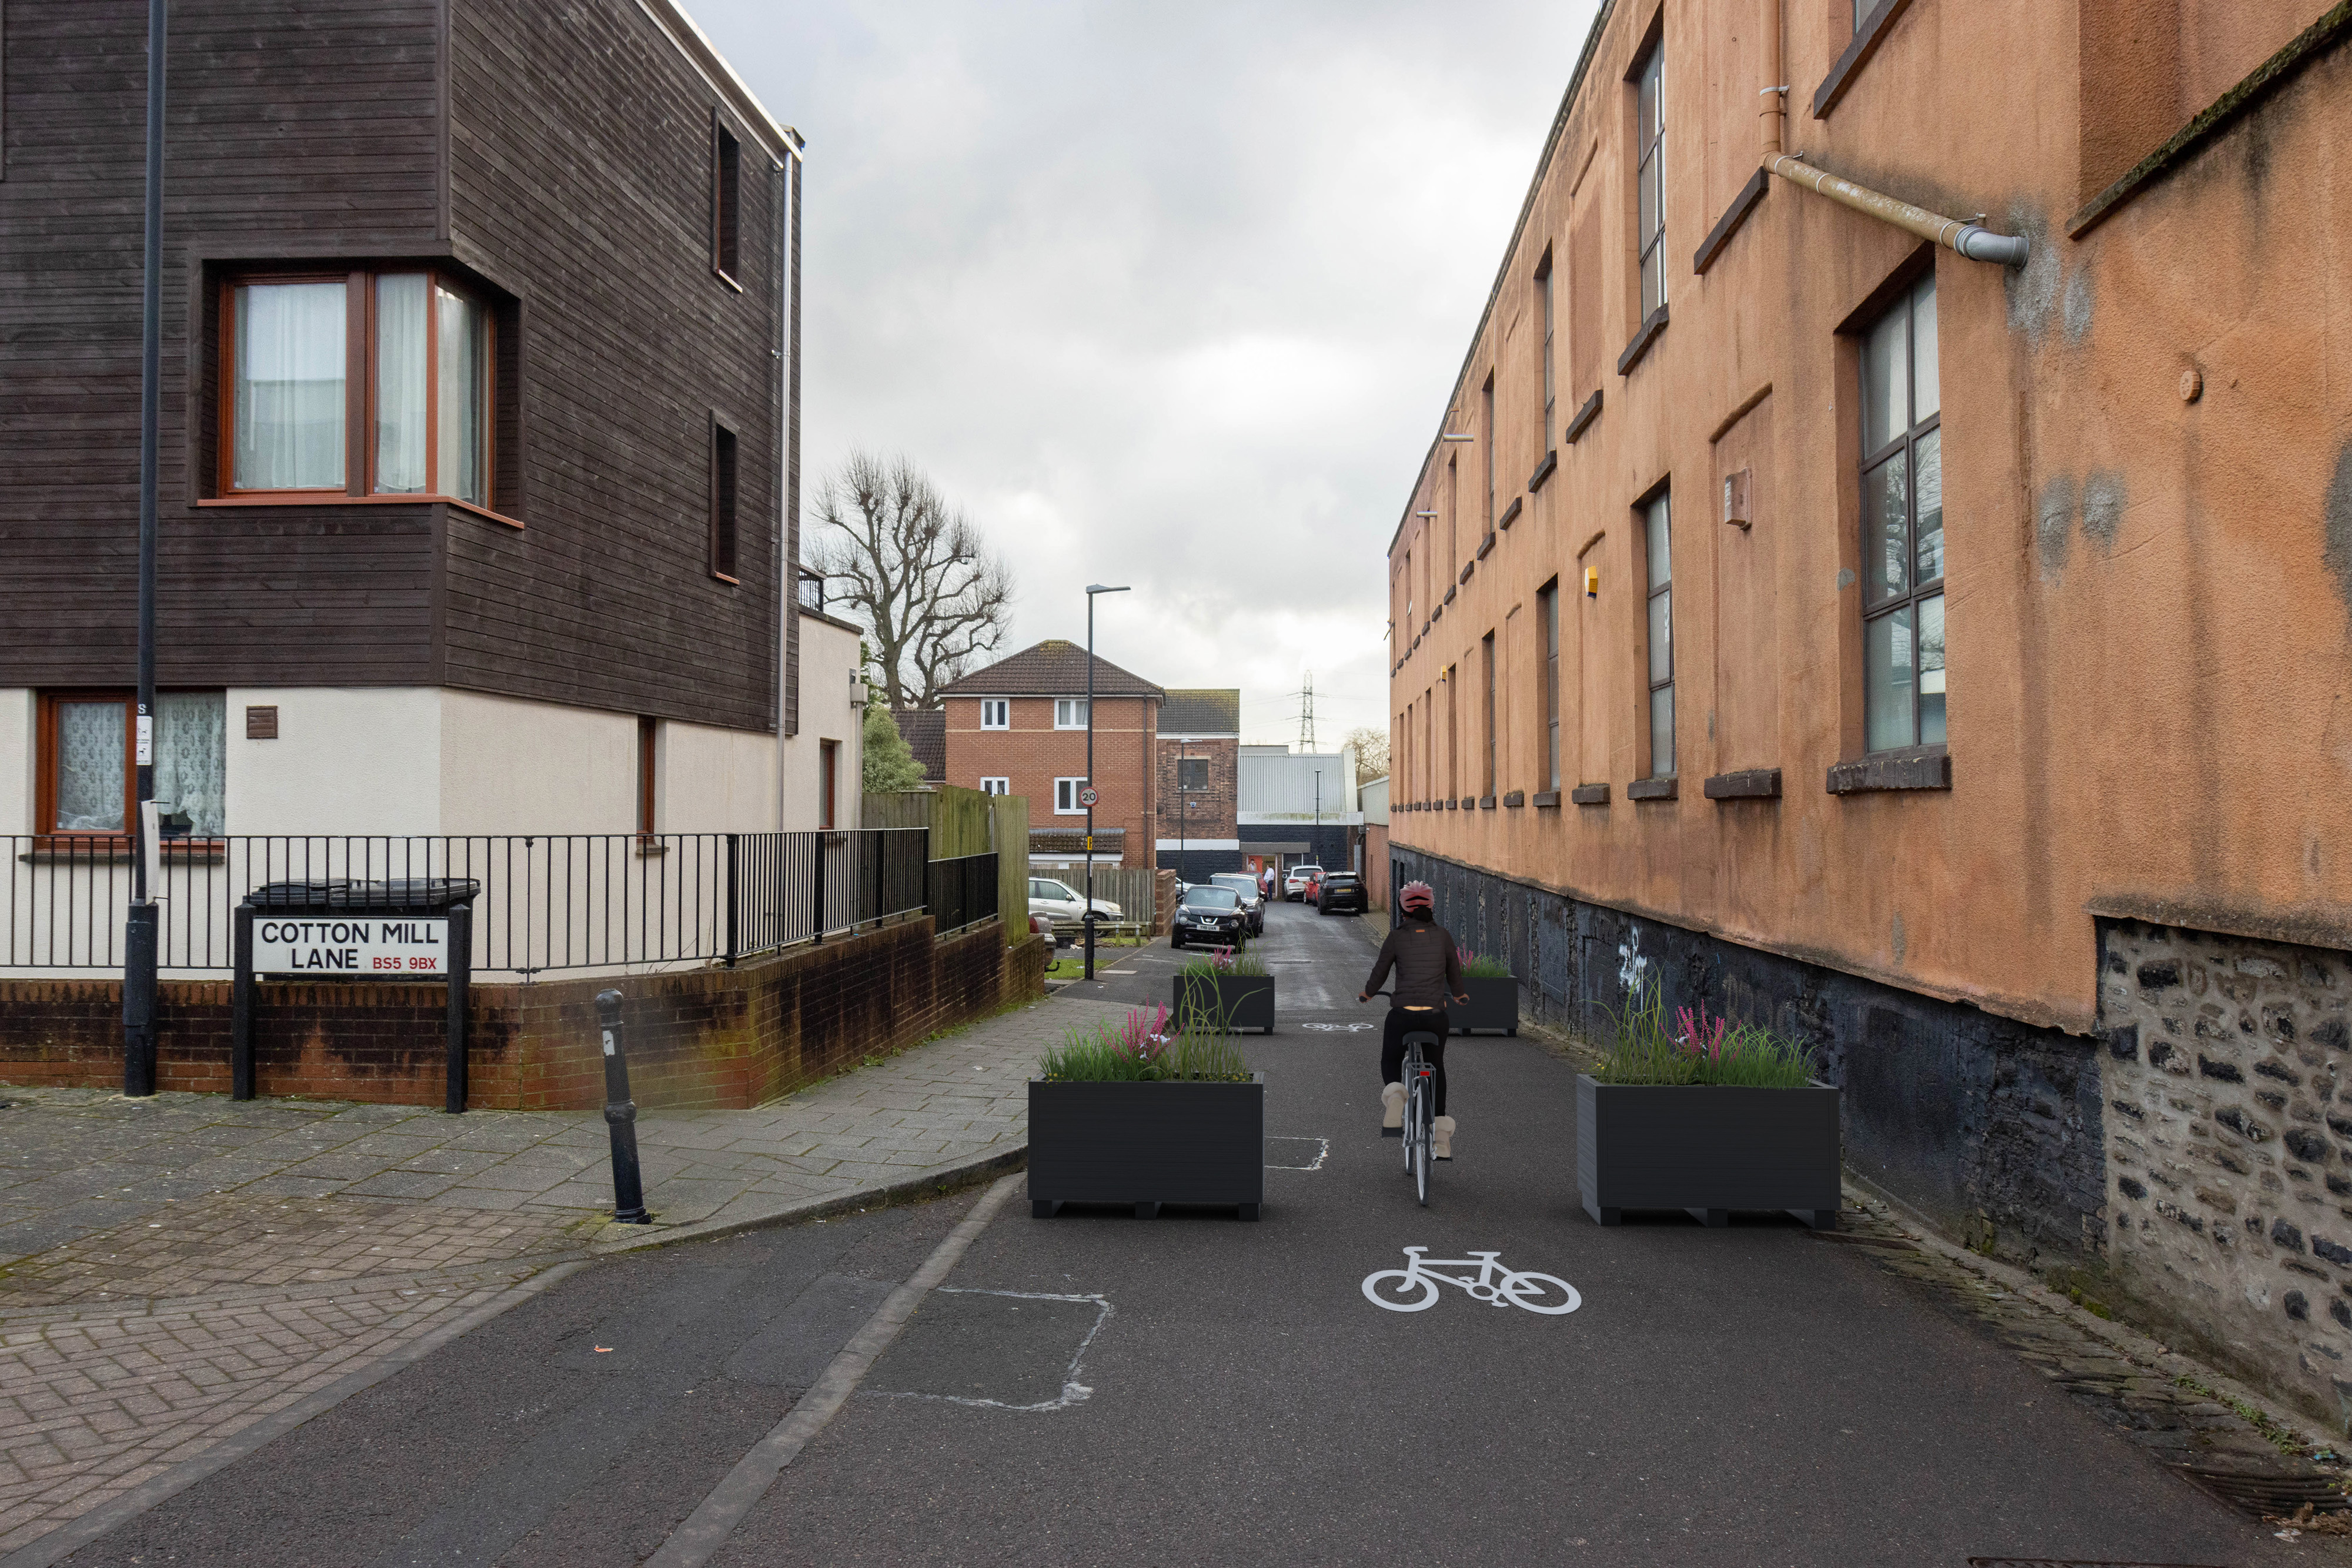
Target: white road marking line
714,1518
1322,1152
1073,1391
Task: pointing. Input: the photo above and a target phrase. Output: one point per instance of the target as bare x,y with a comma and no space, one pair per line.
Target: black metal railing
546,902
962,892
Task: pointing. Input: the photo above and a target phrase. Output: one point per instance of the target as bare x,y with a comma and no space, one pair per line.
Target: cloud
1165,296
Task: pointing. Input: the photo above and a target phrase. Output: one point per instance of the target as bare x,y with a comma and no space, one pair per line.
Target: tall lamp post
1092,589
1184,816
141,931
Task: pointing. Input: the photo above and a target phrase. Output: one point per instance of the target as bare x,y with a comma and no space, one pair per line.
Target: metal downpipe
1972,240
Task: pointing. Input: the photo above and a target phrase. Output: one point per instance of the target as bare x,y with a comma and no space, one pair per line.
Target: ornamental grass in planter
1143,1112
1707,1114
1494,995
1225,990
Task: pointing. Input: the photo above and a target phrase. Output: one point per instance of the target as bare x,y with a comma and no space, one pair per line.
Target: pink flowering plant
1699,1047
1479,968
1145,1047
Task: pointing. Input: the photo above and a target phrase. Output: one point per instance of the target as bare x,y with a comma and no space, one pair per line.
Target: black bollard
621,1117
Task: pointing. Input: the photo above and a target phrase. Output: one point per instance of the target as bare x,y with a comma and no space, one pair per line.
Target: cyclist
1428,970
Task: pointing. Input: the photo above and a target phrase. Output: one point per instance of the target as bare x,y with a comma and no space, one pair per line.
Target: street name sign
356,946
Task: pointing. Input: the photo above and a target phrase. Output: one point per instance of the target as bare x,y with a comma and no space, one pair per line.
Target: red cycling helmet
1416,896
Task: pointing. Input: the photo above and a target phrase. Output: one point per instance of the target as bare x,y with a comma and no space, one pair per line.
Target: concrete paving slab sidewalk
176,1270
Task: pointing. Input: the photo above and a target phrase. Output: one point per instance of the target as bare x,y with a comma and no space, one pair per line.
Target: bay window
360,384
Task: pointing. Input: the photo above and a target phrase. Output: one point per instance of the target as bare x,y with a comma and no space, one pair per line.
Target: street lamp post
1092,589
142,930
1184,816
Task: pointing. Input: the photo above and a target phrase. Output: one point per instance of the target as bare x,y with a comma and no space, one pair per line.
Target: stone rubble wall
2229,1149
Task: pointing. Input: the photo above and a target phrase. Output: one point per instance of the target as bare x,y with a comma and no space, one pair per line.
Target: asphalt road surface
1195,1389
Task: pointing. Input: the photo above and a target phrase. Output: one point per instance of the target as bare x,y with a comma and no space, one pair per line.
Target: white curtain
400,412
464,472
290,386
89,766
191,754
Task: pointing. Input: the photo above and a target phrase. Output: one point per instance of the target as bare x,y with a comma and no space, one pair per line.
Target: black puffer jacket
1428,969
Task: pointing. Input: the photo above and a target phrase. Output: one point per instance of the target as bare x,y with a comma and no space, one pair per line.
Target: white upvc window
1069,713
1066,797
996,786
995,713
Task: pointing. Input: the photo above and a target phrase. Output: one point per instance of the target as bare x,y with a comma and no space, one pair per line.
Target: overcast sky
1167,295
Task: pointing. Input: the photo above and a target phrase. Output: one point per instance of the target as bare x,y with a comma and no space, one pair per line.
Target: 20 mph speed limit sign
1088,797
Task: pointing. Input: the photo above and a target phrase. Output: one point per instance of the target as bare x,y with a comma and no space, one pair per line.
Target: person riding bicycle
1428,970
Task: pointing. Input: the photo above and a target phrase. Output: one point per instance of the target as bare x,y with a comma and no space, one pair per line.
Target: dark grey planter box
1146,1144
1494,1004
1241,1002
1708,1150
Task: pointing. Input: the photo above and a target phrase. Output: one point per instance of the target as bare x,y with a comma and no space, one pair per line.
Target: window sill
650,848
1748,784
1750,197
721,274
1547,798
1543,472
1589,795
1518,797
1650,331
343,498
1510,515
1486,802
1652,789
114,849
1866,39
1912,768
730,581
1451,588
1584,419
1468,567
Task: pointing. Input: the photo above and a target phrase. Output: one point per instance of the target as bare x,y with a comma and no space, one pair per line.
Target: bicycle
1546,1293
1420,1106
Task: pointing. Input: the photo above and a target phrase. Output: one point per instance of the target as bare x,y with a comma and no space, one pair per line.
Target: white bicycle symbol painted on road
1413,1288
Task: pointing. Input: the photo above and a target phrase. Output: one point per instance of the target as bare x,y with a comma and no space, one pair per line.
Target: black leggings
1393,1048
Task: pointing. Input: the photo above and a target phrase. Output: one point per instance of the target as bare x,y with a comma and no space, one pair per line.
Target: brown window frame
829,783
726,202
1654,590
1487,659
1550,382
45,762
648,755
1649,156
1548,613
1905,443
359,393
726,501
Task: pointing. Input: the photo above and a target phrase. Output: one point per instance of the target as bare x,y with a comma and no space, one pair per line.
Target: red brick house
1019,728
1199,751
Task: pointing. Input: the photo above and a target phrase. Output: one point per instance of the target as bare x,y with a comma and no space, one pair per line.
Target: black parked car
1341,893
1245,888
1211,916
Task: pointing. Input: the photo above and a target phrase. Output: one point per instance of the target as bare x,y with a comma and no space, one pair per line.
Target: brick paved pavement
176,1270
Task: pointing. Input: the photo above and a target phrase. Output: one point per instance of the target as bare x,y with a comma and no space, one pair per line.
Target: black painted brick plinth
1232,1002
1707,1149
1147,1144
1494,1004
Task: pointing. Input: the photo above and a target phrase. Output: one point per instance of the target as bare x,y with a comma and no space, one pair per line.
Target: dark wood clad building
480,368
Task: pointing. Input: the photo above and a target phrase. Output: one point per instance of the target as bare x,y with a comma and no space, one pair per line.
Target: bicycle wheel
1396,1297
1421,1143
1545,1293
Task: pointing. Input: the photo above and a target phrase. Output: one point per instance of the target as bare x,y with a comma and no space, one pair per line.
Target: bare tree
1372,753
934,597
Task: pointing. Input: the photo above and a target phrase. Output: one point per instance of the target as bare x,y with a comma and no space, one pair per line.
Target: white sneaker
1440,1139
1393,1108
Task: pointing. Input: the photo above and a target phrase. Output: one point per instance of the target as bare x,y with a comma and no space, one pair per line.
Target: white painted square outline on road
1073,1391
1322,1151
